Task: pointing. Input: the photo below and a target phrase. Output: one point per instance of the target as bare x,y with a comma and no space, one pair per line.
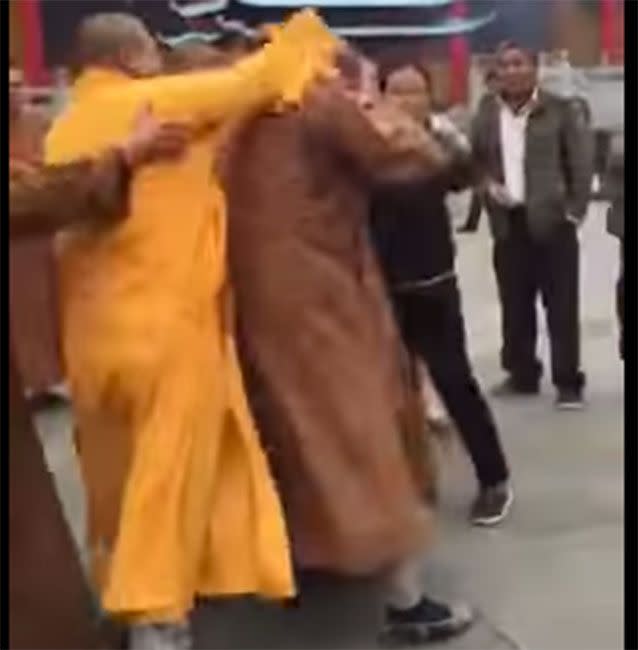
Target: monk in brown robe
318,342
32,279
49,603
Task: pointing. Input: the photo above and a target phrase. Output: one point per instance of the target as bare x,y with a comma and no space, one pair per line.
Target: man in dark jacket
412,231
614,191
534,151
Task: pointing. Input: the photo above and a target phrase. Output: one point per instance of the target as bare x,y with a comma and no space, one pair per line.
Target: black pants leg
474,213
620,303
558,271
433,329
602,140
516,278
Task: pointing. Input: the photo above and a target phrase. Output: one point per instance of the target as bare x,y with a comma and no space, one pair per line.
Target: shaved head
119,41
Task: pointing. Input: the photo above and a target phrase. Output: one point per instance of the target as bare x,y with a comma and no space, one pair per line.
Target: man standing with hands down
534,152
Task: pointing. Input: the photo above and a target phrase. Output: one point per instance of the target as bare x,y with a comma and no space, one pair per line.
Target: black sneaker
492,505
464,229
511,388
427,621
569,399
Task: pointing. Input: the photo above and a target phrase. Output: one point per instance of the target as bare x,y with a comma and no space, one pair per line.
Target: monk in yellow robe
180,498
49,605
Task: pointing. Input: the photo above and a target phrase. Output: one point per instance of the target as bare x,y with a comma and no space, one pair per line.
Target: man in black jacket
534,151
412,232
614,191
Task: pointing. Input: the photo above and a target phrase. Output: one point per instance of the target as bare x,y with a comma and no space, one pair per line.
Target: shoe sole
417,634
513,394
487,522
570,406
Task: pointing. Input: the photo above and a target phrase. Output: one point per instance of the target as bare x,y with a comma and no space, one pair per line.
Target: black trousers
620,302
433,329
474,212
526,268
602,140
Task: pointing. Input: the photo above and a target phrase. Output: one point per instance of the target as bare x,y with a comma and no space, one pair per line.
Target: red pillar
32,41
607,30
459,58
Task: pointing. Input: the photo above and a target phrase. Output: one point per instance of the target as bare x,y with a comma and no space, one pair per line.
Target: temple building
441,32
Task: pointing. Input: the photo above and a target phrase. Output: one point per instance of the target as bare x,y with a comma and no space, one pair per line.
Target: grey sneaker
492,505
156,636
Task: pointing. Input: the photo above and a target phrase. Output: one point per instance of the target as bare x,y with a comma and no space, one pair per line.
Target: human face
517,74
408,90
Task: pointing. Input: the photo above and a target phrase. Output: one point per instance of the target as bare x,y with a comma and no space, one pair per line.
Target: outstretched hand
152,140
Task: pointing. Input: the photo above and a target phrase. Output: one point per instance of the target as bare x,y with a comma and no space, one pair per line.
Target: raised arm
94,191
300,51
43,200
384,146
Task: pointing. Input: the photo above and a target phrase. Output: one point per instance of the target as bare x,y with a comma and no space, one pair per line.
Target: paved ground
551,577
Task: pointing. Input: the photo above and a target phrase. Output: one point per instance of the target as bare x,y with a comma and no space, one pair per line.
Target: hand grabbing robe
180,498
32,290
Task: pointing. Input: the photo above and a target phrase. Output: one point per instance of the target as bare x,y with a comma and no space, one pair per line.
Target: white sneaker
157,636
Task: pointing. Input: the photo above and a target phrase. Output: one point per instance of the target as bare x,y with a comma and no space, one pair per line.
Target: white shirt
513,126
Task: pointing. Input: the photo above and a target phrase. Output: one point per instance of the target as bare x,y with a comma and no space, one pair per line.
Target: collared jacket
558,163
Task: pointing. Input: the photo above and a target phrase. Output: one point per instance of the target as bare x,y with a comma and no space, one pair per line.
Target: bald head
116,41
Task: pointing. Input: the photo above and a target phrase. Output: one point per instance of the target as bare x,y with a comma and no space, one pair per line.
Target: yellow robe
180,498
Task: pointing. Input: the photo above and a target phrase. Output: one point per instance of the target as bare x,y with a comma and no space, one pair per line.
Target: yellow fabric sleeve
300,51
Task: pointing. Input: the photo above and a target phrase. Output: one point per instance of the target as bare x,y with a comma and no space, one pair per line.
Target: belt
424,284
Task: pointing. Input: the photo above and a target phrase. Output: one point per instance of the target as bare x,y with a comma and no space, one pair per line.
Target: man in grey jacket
534,151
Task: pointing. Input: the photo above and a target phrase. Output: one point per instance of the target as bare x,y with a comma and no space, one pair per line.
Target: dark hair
532,55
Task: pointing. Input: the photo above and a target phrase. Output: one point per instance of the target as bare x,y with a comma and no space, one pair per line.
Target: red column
32,41
459,58
607,30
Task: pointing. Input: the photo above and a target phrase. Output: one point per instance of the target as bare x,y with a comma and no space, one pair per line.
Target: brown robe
49,603
32,286
317,339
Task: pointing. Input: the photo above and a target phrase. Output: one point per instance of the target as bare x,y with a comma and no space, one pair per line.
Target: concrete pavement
551,577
